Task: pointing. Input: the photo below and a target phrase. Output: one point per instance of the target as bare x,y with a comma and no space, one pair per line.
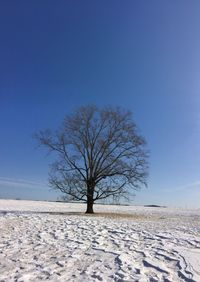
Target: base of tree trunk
89,209
90,201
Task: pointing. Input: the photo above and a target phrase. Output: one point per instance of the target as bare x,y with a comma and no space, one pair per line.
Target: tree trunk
89,207
90,203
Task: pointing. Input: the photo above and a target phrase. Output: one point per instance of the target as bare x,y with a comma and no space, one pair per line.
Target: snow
56,241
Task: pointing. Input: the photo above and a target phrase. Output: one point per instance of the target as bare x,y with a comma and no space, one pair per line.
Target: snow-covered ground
54,241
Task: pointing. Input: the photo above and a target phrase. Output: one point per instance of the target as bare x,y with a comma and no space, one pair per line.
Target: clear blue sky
142,55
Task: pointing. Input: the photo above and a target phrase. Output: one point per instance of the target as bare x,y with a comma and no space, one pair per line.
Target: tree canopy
100,153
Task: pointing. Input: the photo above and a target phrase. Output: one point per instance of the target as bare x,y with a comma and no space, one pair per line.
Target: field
57,242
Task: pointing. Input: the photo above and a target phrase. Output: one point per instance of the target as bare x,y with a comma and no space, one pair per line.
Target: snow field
161,245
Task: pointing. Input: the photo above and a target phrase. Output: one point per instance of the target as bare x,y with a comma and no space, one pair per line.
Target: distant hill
154,206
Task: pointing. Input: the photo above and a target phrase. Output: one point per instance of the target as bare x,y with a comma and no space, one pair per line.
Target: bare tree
100,154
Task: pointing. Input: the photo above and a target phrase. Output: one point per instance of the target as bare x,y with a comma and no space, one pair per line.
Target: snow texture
57,242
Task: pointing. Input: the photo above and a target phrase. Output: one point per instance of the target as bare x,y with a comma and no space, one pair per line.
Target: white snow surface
57,242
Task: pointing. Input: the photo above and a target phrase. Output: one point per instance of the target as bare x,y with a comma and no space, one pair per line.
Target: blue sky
141,55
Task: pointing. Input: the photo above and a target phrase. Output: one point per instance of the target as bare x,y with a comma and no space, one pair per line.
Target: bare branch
100,154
